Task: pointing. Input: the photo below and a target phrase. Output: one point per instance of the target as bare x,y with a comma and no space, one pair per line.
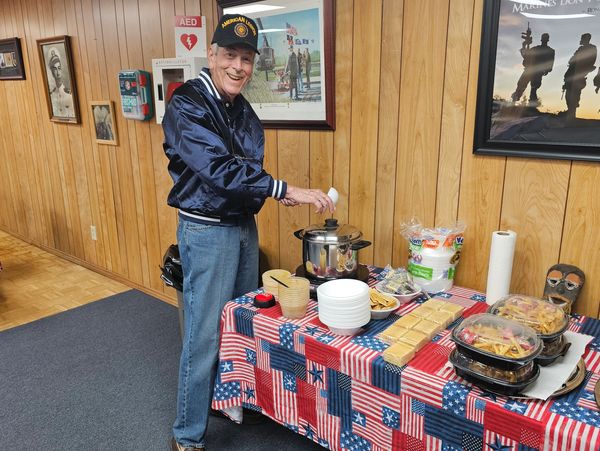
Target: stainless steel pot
329,251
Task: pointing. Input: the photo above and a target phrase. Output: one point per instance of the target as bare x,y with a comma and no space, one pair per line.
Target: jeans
219,263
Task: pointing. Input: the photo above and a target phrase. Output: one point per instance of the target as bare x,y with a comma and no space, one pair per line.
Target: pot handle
359,244
298,233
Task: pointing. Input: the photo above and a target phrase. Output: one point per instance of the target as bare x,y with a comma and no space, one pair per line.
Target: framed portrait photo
293,81
539,80
11,60
103,114
59,79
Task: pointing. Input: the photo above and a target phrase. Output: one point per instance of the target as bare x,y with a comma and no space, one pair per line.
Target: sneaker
177,447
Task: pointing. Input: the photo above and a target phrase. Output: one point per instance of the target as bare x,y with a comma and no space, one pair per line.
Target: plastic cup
333,195
270,285
294,298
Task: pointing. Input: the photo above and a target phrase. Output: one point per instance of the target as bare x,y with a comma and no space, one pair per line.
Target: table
339,392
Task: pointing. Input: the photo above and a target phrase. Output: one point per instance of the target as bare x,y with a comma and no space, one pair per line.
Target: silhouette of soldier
597,81
537,62
581,63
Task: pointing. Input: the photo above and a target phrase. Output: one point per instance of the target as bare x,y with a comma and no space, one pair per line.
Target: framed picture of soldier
293,81
59,79
539,80
103,114
11,60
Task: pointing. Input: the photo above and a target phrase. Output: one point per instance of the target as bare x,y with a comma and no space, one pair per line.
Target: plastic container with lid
505,382
553,349
548,320
497,341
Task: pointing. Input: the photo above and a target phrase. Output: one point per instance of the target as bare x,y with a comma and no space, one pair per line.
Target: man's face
56,70
231,69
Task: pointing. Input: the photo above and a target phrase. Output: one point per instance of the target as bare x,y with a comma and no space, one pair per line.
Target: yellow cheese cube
456,310
429,328
399,353
408,321
441,317
434,304
414,338
392,334
423,311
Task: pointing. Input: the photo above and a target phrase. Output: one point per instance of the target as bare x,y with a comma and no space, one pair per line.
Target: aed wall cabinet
169,74
136,94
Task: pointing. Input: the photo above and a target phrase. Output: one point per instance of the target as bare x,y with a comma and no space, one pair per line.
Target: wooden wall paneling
19,149
268,218
208,9
421,94
456,76
533,205
27,119
24,137
61,136
365,116
192,7
60,225
82,153
156,167
481,185
389,96
580,239
9,183
90,167
151,146
167,216
129,175
84,246
107,229
320,167
293,160
37,118
344,24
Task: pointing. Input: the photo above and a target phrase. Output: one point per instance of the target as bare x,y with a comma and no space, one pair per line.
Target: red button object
264,300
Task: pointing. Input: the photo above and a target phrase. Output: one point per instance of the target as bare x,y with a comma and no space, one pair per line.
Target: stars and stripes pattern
339,392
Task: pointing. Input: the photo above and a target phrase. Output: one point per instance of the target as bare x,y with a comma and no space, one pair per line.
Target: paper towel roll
500,266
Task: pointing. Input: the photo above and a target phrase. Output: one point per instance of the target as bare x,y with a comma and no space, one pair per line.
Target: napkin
553,376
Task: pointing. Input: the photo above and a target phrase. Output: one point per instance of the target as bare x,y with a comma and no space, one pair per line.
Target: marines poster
546,76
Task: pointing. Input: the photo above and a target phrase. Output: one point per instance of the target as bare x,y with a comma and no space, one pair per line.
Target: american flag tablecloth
339,392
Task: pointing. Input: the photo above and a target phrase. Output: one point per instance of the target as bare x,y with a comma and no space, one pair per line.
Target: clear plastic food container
523,373
505,382
548,320
553,349
497,341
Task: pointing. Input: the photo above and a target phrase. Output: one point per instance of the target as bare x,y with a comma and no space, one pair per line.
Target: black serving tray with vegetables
497,341
489,383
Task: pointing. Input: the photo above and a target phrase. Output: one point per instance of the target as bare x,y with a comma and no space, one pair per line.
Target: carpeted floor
103,377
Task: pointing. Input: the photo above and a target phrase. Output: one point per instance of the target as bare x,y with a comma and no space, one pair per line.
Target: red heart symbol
189,40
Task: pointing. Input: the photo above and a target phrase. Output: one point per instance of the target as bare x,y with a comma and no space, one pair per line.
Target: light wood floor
35,283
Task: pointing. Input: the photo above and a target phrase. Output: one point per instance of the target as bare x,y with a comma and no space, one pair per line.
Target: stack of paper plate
344,305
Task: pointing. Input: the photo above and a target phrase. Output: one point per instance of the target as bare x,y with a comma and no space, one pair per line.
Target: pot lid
331,232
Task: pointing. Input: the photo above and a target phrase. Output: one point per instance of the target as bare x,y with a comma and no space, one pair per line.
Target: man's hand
296,196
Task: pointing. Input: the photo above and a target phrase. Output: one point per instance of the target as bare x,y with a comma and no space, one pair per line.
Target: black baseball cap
235,29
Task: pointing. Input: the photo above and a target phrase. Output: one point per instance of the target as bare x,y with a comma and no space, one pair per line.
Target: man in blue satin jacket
215,145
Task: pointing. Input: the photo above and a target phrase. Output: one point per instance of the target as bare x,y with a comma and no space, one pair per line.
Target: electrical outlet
93,232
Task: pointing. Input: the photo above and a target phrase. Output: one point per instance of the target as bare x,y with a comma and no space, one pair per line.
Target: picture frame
306,28
537,93
59,79
11,60
105,126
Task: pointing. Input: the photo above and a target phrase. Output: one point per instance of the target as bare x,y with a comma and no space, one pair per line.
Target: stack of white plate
344,305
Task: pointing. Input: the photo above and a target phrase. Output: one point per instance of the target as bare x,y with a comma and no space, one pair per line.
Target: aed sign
190,36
